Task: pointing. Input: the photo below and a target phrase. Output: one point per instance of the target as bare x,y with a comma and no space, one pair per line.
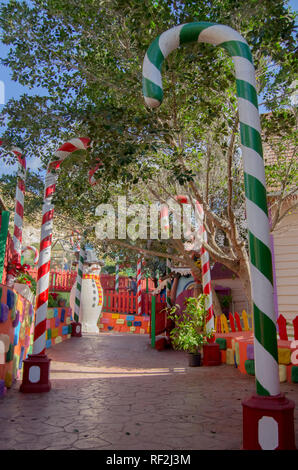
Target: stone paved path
114,392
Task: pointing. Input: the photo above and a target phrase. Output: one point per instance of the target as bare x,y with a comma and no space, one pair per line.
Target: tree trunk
216,303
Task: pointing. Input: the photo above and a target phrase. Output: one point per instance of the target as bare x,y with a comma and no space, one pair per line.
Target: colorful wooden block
55,312
130,317
250,351
223,355
58,340
142,331
237,354
65,329
137,323
115,315
282,370
50,313
120,321
230,356
68,321
48,333
132,328
294,374
55,332
48,343
250,366
110,327
129,323
101,325
62,316
222,343
284,356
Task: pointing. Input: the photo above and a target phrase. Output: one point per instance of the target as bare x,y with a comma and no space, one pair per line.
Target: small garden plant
189,333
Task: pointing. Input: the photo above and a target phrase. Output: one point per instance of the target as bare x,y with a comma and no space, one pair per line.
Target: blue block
57,322
48,343
130,318
110,327
55,312
137,323
62,315
65,330
10,299
16,334
21,357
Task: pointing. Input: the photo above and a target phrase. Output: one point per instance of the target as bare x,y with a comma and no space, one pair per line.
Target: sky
10,89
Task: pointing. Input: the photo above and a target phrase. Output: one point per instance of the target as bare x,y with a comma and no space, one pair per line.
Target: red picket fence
282,327
125,302
63,281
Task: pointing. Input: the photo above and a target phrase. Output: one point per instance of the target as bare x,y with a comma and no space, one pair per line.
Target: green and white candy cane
265,339
79,284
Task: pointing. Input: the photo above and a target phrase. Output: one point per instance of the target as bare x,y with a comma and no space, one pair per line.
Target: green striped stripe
77,301
154,54
261,390
190,32
265,332
260,256
246,91
79,287
80,273
255,192
237,48
151,90
251,138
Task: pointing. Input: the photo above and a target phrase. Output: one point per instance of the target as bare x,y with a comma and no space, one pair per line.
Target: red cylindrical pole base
268,423
76,329
36,374
211,355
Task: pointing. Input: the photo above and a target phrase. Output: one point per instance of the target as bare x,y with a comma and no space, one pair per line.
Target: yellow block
8,379
68,321
55,332
58,339
68,336
142,331
101,325
120,321
282,369
132,328
115,315
237,355
230,356
284,356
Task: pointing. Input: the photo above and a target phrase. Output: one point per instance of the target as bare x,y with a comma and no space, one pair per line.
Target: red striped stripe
43,269
39,329
21,185
45,243
205,268
17,231
19,209
50,190
48,216
42,298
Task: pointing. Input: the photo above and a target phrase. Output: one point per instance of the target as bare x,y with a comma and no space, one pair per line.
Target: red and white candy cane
19,207
139,287
36,254
206,276
91,173
42,290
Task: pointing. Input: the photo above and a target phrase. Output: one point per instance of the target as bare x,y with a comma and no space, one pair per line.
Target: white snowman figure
91,294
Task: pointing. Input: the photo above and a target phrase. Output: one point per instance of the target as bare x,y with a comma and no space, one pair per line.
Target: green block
49,333
9,354
69,329
294,374
222,343
129,323
50,313
249,365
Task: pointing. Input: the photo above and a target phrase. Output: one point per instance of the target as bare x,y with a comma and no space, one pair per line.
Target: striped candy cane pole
19,208
117,275
42,290
79,285
168,288
35,250
139,291
265,340
206,274
91,173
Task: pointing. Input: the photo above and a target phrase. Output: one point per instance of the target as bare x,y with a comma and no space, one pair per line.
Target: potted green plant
189,333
